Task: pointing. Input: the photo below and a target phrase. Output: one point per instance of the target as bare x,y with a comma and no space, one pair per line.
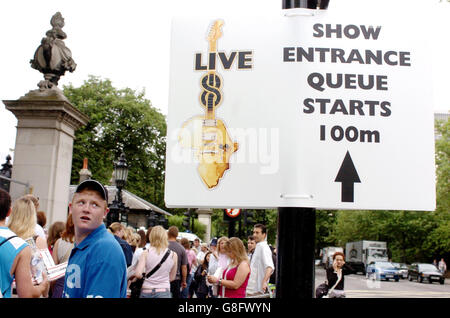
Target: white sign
54,272
327,111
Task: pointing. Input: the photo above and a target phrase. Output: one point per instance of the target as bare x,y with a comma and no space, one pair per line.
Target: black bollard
295,252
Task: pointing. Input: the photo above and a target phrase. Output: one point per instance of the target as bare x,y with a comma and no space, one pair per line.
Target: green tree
442,155
404,231
120,120
325,223
438,240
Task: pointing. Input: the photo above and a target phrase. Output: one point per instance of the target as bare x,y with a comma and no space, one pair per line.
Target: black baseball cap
93,185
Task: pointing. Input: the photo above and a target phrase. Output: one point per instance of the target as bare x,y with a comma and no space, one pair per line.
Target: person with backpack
15,259
158,256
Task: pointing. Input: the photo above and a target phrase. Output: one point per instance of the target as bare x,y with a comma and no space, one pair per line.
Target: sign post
295,252
316,109
295,249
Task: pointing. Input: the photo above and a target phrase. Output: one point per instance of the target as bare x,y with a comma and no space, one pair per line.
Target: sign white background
280,151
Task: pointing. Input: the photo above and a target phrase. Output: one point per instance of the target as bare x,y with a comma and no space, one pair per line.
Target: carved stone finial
84,172
52,57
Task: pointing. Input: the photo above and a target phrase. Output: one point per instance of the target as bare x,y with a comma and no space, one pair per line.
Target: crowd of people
105,262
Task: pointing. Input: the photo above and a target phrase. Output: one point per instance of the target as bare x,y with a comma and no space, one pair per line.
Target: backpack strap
3,242
6,240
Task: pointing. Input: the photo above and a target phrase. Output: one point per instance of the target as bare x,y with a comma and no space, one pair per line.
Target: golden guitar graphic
206,134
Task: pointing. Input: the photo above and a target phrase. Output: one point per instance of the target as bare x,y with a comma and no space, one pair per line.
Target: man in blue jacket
97,267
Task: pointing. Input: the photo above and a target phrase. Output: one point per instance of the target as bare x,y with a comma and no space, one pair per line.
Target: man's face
196,243
88,210
258,235
251,244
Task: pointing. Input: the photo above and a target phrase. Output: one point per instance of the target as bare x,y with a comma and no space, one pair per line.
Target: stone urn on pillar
46,127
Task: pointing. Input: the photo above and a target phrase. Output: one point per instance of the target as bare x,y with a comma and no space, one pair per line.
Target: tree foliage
199,228
120,120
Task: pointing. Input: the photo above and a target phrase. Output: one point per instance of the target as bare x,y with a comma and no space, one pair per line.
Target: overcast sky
129,43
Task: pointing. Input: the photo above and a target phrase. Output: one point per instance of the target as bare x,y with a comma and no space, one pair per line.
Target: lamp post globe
121,171
118,210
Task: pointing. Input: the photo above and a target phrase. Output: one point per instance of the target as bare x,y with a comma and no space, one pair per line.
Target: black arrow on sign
348,176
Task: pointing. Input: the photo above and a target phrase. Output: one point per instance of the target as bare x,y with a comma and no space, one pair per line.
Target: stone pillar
204,217
43,152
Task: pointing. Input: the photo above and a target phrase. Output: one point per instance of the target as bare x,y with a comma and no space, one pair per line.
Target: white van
190,236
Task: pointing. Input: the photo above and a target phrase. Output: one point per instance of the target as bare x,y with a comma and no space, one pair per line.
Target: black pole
295,252
308,4
231,228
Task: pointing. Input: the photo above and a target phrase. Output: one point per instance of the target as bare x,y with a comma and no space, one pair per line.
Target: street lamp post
118,212
5,173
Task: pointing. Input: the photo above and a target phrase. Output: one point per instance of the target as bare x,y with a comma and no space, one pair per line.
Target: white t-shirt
137,254
39,231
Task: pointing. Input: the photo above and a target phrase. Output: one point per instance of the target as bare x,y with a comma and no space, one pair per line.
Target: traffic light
248,221
248,218
151,219
163,221
186,220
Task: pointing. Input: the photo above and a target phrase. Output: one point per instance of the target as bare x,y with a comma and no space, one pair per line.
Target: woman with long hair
22,222
202,289
234,279
222,254
61,253
54,233
218,262
157,285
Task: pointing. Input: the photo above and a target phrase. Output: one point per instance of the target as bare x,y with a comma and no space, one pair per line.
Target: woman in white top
218,262
224,259
157,285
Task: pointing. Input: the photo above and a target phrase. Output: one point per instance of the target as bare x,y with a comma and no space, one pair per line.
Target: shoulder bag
136,286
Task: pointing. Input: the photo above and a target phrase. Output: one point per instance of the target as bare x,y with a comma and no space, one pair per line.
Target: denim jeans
155,294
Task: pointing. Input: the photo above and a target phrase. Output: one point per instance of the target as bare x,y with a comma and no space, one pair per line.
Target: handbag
321,290
136,286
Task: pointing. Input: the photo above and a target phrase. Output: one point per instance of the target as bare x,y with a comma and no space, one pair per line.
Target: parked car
402,269
382,270
423,272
